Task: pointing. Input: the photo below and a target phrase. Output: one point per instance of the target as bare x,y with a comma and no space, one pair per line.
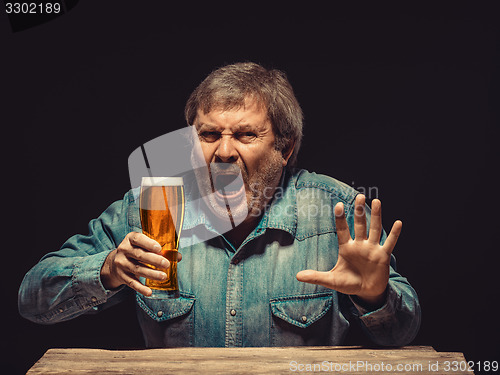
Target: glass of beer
161,205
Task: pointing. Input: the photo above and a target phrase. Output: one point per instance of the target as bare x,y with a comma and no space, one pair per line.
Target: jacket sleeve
66,283
397,322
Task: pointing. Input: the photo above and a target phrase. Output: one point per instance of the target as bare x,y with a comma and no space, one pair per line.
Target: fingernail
157,247
165,263
163,276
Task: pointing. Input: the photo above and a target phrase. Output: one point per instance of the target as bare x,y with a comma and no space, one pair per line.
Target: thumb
316,277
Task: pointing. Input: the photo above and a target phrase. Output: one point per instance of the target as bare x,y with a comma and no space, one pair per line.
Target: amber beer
162,213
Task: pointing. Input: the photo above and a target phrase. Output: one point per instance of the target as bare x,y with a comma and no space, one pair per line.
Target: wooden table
302,360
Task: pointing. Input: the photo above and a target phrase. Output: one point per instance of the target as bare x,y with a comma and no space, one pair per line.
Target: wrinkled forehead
249,117
224,101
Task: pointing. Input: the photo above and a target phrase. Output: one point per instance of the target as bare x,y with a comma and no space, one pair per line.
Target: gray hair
228,87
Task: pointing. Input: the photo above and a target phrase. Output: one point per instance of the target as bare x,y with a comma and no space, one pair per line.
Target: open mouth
228,183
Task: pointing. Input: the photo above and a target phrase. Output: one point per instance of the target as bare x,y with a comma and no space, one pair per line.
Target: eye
246,137
209,136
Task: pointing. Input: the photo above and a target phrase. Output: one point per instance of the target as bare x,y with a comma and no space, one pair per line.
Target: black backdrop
402,103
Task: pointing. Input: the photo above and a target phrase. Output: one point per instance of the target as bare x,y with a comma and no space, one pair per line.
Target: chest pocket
301,320
167,322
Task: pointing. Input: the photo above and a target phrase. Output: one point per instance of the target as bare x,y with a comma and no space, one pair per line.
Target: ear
287,153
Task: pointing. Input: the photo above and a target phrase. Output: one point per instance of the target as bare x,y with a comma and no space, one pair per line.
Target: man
307,259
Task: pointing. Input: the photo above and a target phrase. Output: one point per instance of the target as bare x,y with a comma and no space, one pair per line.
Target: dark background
401,102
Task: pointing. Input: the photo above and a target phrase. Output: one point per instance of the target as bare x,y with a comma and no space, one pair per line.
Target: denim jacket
231,297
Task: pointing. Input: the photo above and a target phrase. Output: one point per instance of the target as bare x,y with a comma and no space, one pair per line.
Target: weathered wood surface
303,360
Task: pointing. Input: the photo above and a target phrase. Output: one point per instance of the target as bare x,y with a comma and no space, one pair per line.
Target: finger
146,257
359,218
312,277
137,239
136,285
376,222
343,234
391,240
325,279
140,270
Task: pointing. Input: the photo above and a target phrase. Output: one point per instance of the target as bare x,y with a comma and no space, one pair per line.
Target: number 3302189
32,8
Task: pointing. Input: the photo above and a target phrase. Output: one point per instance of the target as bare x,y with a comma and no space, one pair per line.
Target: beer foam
162,181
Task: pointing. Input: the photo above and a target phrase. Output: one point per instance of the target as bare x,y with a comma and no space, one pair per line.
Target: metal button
304,318
61,310
159,313
94,299
232,312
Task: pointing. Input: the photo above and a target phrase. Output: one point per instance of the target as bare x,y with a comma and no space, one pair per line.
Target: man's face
239,140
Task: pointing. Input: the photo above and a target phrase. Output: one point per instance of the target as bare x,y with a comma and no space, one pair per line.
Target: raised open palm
362,267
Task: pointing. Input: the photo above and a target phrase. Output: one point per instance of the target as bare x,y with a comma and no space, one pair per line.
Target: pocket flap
301,310
165,309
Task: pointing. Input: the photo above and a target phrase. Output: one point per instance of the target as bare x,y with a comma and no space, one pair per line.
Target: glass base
162,294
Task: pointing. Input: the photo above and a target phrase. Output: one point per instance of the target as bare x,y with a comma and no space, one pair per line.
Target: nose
226,152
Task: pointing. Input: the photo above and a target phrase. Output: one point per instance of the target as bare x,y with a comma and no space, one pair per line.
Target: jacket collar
282,212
